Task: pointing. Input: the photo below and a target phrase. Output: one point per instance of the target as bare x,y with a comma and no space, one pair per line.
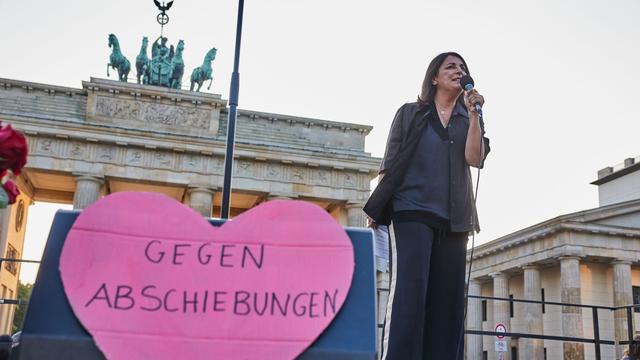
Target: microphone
467,83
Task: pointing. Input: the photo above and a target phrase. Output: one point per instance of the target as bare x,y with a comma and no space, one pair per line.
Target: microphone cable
473,241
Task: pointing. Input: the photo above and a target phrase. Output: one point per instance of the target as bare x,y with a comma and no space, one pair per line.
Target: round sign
500,328
162,18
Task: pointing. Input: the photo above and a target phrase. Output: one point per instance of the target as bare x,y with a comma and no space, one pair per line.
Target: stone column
88,191
532,348
622,295
571,315
355,215
474,322
382,281
201,200
501,313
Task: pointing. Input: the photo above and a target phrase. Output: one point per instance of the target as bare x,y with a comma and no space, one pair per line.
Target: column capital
88,189
497,274
89,177
201,189
475,286
569,257
354,205
530,266
281,196
621,261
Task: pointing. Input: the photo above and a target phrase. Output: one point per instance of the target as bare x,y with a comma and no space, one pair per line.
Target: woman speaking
425,190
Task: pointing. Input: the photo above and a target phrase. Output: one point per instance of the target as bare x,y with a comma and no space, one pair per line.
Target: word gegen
228,255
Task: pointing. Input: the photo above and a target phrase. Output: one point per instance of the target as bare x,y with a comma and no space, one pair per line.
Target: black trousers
426,302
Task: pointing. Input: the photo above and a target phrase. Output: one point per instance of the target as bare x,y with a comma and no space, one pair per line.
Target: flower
13,149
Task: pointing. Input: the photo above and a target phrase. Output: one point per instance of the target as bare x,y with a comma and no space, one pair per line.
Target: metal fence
596,340
12,261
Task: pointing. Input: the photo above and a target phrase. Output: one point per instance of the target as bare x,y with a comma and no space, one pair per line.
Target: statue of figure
203,72
160,49
160,69
142,63
177,67
117,60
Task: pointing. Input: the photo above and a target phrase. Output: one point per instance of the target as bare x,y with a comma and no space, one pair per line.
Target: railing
12,260
596,340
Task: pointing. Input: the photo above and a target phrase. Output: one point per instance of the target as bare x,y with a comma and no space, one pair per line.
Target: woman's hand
474,147
471,98
371,223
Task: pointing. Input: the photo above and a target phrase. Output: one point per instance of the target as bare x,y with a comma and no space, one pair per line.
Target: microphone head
467,82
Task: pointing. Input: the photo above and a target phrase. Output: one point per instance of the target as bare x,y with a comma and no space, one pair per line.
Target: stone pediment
624,214
153,107
611,231
617,219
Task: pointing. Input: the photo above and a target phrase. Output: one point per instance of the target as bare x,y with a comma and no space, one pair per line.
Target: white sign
501,346
500,328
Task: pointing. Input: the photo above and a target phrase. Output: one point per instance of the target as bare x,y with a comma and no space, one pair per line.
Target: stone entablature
327,135
153,107
133,133
583,234
166,112
259,171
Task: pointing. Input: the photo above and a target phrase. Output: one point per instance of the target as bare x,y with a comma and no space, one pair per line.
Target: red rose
13,149
12,191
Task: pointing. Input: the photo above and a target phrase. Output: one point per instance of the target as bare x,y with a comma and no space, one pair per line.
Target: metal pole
231,121
596,332
630,327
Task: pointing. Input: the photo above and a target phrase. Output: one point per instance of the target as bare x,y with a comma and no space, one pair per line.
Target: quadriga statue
142,63
177,67
204,71
117,61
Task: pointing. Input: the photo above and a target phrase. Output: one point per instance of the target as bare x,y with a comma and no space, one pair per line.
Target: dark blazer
405,133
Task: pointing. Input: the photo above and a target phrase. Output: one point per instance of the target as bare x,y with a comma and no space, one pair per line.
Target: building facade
588,257
110,136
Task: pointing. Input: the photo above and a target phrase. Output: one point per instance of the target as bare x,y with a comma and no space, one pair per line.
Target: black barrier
596,340
51,331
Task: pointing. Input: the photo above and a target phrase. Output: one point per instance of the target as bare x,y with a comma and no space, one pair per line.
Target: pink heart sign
149,278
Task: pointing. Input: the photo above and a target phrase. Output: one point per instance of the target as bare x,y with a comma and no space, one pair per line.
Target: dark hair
428,91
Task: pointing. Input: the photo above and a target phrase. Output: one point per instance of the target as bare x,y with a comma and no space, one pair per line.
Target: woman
425,190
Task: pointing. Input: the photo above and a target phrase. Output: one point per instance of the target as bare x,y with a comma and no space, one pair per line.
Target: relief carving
162,159
244,168
120,109
106,153
191,162
135,157
153,112
322,176
349,180
77,149
46,146
273,171
297,174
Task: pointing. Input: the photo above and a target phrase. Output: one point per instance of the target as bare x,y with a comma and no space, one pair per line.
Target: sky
558,77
